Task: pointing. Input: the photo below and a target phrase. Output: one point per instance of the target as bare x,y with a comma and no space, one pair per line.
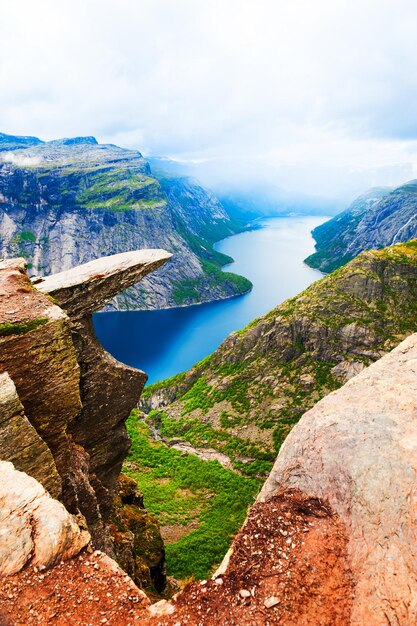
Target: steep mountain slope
69,201
244,399
381,217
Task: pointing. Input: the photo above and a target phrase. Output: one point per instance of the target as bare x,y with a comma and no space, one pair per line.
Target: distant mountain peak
380,217
71,141
16,142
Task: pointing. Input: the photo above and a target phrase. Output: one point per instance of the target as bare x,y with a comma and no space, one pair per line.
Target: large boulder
33,526
357,450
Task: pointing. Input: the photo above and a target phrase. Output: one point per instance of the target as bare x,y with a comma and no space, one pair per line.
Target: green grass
178,489
25,236
20,328
203,435
188,291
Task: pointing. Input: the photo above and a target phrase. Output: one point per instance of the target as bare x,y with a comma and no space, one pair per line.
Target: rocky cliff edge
64,400
331,540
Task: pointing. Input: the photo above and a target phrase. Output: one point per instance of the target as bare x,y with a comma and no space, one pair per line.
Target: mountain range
69,201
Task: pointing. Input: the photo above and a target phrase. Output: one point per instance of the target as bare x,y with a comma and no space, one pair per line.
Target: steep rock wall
67,397
379,218
27,451
36,350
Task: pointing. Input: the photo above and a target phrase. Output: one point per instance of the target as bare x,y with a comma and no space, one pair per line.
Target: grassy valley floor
199,504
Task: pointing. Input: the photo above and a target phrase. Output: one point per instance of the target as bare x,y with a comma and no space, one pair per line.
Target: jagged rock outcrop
381,217
137,541
66,202
34,527
259,382
108,387
64,396
27,451
37,352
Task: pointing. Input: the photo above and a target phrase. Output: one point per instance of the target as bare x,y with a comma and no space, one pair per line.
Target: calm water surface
163,343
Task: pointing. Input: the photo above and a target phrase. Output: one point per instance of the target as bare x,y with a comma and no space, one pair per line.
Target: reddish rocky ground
288,567
84,591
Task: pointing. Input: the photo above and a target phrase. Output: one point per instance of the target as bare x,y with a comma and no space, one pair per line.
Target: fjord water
168,341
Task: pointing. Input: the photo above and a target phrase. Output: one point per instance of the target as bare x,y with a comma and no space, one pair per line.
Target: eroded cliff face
64,400
381,217
66,202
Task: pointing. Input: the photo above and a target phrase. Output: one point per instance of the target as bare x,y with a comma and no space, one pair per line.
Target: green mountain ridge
378,218
244,398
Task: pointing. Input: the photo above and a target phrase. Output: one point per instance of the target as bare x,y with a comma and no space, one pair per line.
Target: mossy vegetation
189,291
25,236
180,488
20,328
120,189
203,435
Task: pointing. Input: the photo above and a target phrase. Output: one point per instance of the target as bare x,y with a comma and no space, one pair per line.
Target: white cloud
307,85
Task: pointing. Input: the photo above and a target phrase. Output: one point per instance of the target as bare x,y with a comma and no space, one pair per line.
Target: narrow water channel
163,343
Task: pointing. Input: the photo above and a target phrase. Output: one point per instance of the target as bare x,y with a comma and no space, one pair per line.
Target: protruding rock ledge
87,288
63,399
109,389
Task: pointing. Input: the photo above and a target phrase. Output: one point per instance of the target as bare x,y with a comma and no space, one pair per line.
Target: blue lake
165,342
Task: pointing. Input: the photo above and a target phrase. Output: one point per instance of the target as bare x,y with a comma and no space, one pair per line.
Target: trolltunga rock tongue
357,449
63,399
100,427
87,288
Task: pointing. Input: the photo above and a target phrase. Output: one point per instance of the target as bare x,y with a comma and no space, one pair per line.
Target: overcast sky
321,95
